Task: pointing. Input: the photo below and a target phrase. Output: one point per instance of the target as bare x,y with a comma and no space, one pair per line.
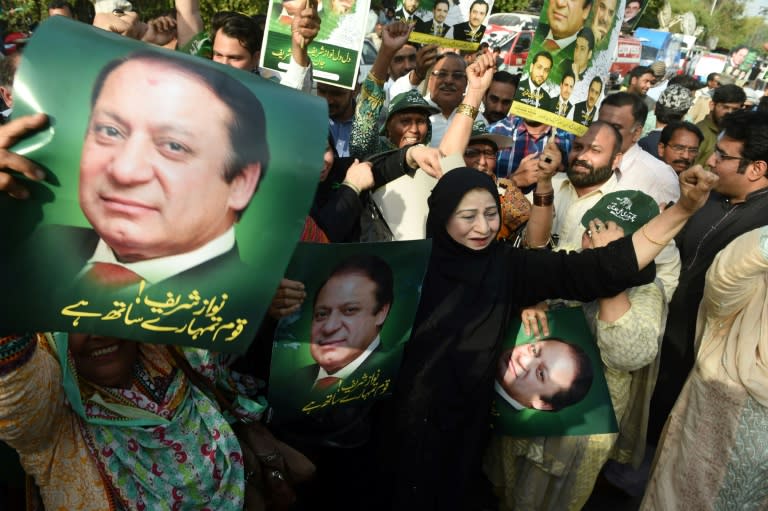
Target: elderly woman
407,121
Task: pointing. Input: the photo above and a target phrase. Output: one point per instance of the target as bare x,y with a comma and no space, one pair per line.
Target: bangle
543,199
467,110
350,185
642,229
375,79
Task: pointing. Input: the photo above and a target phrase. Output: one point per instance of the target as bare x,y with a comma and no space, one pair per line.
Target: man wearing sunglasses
740,160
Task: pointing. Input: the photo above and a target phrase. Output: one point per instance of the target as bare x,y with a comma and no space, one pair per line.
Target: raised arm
189,22
539,229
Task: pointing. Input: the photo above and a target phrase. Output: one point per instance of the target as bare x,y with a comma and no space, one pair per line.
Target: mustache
447,87
583,163
683,161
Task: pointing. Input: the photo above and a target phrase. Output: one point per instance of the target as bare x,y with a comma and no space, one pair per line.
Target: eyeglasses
476,153
720,156
684,149
456,75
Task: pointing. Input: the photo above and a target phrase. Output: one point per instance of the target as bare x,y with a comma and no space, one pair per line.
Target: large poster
552,386
335,52
456,24
567,67
165,215
342,349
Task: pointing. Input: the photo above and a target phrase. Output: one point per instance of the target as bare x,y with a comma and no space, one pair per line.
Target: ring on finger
589,233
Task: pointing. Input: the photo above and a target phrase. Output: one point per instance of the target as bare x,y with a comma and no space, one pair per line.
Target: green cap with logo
411,100
630,209
480,132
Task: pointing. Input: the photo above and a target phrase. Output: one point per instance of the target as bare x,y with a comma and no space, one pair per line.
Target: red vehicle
514,46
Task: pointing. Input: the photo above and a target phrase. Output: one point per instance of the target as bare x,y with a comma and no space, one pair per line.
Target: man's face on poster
595,88
540,70
151,171
532,373
346,319
342,6
477,14
566,17
440,12
581,53
601,21
566,87
410,6
631,10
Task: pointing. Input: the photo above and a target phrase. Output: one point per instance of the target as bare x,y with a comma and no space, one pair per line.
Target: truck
658,45
627,57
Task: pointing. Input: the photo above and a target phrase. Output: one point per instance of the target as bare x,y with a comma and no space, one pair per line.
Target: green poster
175,191
531,367
342,349
335,52
566,71
448,23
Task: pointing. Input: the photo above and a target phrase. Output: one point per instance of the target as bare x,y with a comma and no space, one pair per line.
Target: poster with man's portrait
456,24
341,350
566,71
335,52
633,11
173,199
554,385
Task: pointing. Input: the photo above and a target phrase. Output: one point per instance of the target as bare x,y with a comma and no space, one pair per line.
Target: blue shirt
523,144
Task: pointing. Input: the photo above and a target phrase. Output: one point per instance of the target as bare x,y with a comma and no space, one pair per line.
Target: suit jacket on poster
427,27
541,101
463,32
580,114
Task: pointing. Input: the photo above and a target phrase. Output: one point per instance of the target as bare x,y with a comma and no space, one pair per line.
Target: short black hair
729,93
665,114
686,81
751,128
712,76
61,4
506,77
623,98
639,71
546,55
239,26
374,268
446,2
581,383
482,2
587,34
568,73
248,127
669,131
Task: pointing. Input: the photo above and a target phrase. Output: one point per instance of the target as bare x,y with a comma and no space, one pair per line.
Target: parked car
514,46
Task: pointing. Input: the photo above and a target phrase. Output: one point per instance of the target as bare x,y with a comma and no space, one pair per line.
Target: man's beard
595,176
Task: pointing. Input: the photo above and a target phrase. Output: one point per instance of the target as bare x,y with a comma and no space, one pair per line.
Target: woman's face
475,223
105,361
407,127
327,163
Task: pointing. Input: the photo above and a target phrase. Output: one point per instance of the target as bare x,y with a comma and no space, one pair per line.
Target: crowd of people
655,220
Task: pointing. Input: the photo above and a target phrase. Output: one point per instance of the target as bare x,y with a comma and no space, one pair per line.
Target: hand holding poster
342,349
163,217
336,50
572,400
567,66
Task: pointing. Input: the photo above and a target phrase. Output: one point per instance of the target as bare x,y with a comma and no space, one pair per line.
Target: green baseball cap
630,209
480,132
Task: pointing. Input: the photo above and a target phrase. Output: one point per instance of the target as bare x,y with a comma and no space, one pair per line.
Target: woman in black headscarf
438,422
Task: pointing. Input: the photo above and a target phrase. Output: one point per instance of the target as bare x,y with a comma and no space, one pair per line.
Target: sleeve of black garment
389,166
340,215
585,276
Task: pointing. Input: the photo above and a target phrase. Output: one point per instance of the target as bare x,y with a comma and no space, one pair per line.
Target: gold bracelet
467,110
375,79
642,229
354,188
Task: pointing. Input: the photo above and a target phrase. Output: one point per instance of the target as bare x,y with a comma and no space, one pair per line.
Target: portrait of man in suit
348,313
547,375
530,89
437,26
407,12
564,20
584,112
561,104
473,29
173,154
